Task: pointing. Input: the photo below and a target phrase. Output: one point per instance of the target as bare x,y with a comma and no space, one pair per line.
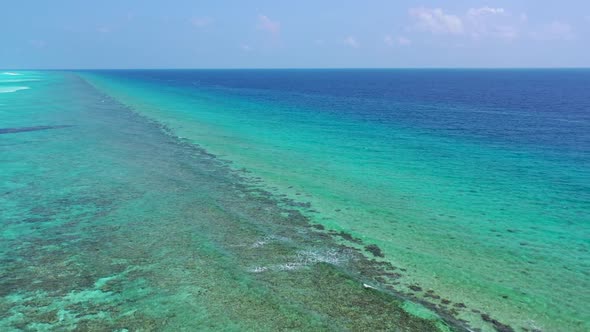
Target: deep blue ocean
542,108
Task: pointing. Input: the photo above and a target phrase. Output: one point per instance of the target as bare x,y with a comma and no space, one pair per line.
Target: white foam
11,73
290,266
20,80
269,239
258,244
9,89
306,258
259,269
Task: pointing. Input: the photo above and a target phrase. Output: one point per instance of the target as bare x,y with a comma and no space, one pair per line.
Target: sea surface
404,200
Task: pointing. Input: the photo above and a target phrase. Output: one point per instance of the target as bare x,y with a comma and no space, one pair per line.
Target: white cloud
556,30
352,42
505,32
400,40
436,21
266,24
482,24
494,22
478,23
476,12
403,40
200,22
388,40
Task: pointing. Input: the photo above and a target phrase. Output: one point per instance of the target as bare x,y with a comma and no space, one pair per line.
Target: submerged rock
415,288
497,325
375,250
25,129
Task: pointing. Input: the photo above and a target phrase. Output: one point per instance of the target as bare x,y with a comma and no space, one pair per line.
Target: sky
62,34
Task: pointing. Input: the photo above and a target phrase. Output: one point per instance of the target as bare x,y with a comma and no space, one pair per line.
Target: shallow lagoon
111,223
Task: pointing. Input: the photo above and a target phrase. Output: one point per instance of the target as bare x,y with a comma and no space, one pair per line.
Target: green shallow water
493,235
113,223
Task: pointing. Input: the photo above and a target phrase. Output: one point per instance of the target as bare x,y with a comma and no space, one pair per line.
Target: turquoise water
110,223
471,200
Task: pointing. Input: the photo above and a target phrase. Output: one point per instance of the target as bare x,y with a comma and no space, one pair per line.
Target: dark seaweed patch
375,250
26,129
346,236
415,288
497,325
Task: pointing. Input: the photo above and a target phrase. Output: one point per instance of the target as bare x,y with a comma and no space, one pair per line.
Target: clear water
470,187
109,223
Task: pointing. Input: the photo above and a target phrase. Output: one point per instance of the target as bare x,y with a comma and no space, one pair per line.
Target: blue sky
294,34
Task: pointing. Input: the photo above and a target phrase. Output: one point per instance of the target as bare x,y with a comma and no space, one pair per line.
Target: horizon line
293,68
